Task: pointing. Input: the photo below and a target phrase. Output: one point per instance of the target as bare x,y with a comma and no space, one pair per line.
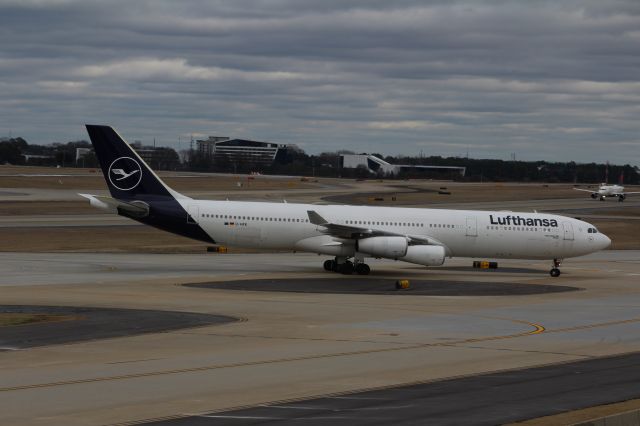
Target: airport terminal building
240,150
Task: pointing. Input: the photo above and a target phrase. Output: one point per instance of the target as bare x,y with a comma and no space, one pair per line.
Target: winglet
315,218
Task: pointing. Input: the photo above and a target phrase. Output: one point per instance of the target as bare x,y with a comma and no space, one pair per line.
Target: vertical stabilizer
138,192
127,175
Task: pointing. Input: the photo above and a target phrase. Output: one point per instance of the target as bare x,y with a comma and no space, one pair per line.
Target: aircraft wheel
328,265
346,268
362,269
555,272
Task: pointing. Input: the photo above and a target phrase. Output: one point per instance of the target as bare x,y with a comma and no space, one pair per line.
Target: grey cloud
544,79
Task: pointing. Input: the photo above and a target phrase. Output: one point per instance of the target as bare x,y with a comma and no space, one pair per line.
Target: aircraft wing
354,232
627,193
585,190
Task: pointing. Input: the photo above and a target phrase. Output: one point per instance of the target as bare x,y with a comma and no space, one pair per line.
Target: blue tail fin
127,175
131,180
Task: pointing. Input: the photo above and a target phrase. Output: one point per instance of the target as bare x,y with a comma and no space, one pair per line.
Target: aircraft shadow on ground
380,286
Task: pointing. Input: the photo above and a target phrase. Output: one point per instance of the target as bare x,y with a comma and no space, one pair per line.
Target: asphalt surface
95,323
488,399
49,221
386,287
299,346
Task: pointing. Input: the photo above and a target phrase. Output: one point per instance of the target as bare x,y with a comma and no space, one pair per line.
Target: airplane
349,234
605,190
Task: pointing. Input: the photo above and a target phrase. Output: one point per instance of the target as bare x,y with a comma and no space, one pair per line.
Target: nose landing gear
555,270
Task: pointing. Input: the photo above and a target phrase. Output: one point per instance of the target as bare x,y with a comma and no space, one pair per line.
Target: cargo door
567,230
472,227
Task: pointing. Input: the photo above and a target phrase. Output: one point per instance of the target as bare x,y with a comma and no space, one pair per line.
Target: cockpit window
592,231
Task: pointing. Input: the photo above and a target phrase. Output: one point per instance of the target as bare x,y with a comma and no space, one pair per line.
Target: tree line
328,164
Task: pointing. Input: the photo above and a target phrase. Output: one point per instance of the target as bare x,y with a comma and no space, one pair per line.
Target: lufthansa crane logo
125,173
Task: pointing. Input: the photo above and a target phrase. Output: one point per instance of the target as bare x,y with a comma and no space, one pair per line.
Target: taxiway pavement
486,399
79,324
295,345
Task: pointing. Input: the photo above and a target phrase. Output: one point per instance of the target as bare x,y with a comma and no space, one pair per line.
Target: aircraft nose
604,241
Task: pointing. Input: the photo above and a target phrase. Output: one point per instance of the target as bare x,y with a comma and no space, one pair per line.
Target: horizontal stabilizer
132,209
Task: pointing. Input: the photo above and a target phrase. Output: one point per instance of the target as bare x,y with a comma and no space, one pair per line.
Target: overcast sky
551,80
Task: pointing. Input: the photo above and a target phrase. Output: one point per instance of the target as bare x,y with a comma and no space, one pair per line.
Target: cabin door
567,230
472,227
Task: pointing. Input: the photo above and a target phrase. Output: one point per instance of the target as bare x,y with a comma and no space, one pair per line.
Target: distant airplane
420,236
605,190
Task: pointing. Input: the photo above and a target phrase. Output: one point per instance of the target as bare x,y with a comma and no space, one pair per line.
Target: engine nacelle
594,195
425,255
389,247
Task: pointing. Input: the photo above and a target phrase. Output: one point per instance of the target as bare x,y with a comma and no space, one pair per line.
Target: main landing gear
555,270
345,266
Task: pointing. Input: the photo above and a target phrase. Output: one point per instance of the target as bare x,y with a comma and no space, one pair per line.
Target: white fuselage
463,233
610,190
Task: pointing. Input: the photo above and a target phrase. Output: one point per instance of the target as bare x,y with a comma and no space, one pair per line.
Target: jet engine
425,255
389,247
621,197
594,195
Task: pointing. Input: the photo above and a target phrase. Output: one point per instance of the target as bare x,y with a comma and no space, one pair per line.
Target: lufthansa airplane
347,233
605,190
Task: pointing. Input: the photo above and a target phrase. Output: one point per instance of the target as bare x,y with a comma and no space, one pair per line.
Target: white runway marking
212,416
363,398
293,407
